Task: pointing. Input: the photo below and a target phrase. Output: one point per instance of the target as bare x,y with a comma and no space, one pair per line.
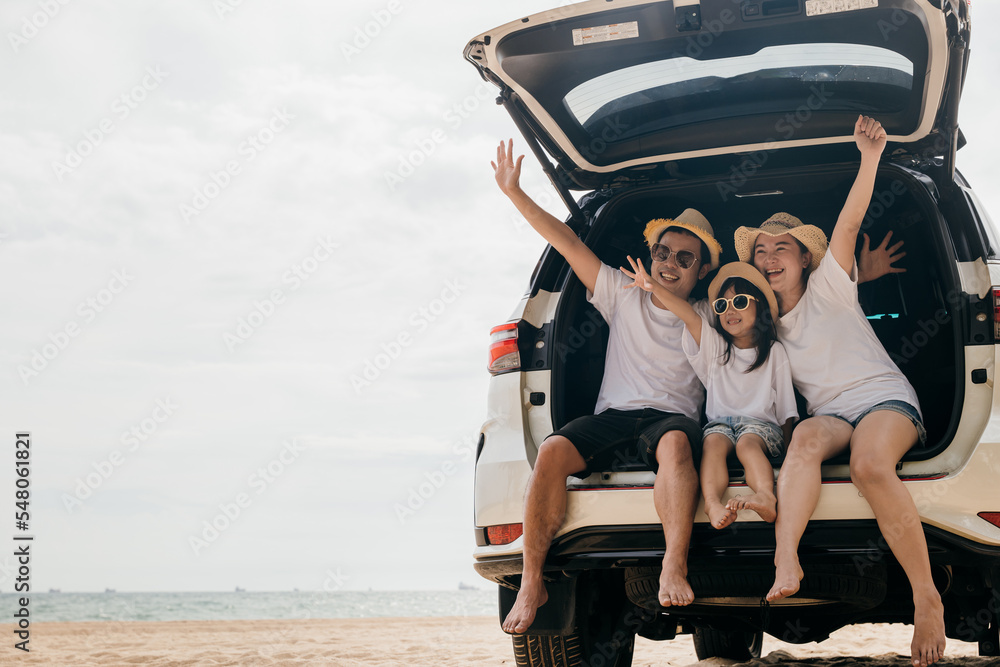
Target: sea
250,605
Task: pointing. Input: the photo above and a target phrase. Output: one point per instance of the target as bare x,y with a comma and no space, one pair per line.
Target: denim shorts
734,427
902,407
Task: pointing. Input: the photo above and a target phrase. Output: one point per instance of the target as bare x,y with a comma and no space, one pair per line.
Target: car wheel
603,633
569,651
710,643
542,651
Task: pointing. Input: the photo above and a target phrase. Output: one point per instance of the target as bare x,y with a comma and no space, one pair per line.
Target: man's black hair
706,256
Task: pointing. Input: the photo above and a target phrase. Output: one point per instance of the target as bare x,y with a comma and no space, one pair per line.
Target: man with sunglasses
649,392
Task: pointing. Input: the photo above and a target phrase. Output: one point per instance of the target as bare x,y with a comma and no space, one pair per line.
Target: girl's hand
869,136
506,169
638,275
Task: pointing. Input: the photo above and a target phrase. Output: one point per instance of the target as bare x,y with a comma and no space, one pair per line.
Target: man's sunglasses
684,258
740,302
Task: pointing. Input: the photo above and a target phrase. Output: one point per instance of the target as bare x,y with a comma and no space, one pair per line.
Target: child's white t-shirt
838,363
765,394
645,366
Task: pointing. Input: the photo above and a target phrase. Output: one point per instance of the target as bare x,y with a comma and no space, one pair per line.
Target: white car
638,109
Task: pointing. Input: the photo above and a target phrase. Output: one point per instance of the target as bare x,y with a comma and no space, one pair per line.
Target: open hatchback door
641,90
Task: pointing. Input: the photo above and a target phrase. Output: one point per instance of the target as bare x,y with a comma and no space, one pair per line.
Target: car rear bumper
751,545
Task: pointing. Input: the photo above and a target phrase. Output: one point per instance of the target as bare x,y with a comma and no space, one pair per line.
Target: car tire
832,586
710,643
542,651
565,651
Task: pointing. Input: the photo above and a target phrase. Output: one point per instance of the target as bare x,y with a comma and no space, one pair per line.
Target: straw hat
692,221
779,224
749,273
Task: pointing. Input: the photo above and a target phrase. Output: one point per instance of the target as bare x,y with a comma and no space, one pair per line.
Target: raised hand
876,263
506,169
638,274
869,136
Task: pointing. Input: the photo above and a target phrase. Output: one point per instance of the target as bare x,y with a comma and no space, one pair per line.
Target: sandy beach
404,641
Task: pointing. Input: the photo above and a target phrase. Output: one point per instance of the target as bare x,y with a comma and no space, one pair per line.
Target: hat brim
748,273
656,228
811,236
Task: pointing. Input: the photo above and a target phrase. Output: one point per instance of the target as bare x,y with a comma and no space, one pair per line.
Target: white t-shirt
765,394
645,366
838,363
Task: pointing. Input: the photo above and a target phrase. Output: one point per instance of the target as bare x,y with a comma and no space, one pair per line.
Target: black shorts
616,437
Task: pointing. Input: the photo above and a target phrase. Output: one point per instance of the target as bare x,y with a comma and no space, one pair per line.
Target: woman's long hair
764,332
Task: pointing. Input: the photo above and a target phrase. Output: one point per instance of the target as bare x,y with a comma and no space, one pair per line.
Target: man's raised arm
582,259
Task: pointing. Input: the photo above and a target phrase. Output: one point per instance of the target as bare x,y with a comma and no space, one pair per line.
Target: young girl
748,381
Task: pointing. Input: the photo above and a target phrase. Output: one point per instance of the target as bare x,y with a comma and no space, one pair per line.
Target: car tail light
992,517
504,534
504,353
996,314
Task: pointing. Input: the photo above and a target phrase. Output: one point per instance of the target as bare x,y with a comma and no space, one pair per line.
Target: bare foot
764,504
530,597
928,642
720,516
786,582
675,590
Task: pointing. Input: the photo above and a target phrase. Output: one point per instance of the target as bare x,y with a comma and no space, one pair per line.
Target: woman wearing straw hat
857,396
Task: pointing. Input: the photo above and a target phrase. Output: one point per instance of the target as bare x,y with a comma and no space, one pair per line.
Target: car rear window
776,79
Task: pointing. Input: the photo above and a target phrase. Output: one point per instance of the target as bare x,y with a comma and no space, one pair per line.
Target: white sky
167,291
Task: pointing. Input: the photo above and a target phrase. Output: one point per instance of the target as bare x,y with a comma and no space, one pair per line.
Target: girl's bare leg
879,442
760,478
813,441
715,479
